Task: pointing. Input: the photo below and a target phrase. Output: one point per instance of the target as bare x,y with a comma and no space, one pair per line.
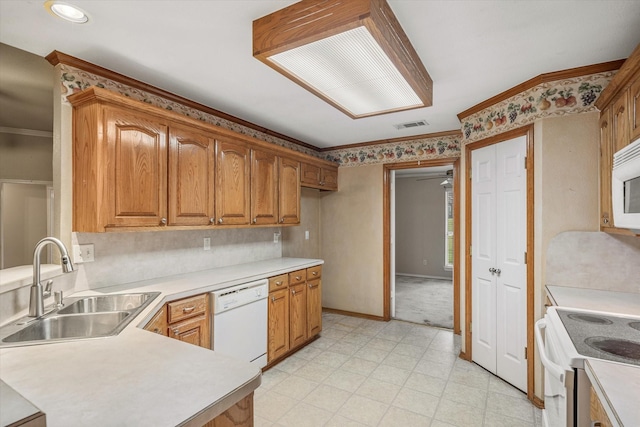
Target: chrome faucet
36,303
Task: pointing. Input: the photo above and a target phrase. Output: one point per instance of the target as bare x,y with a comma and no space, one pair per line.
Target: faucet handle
47,289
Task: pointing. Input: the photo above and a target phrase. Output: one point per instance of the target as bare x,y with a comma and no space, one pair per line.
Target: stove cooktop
603,336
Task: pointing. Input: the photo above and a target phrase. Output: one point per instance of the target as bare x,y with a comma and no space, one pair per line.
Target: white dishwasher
240,321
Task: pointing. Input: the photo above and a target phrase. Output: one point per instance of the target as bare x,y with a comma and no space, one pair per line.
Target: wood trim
57,57
464,356
395,140
621,80
386,219
537,402
353,314
543,78
522,131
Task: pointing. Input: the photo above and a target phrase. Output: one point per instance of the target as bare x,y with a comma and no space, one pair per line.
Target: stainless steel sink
71,326
84,317
102,303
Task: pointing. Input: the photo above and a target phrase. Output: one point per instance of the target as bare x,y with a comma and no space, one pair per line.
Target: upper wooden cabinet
137,166
619,104
321,177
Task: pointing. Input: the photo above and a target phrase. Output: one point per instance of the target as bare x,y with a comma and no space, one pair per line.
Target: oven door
558,379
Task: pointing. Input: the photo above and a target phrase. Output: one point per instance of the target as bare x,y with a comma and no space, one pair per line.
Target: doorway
422,203
389,267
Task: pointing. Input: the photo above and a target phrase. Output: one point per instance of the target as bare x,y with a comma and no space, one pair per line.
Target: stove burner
589,318
635,325
618,347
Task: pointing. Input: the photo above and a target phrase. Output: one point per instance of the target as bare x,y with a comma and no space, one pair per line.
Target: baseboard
423,276
464,356
537,402
353,314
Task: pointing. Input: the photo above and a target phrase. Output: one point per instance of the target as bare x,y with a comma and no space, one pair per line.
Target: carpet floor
424,301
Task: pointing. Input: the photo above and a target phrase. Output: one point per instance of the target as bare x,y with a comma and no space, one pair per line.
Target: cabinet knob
298,277
255,220
176,331
220,221
605,220
163,221
281,220
315,273
212,220
293,291
279,283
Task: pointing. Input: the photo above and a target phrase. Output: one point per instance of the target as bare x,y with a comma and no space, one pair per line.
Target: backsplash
594,260
131,257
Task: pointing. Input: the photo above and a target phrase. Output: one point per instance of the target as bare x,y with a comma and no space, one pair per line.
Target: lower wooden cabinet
597,411
187,320
194,331
295,311
239,415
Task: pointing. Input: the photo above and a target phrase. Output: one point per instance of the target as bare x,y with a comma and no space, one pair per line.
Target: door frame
386,220
526,131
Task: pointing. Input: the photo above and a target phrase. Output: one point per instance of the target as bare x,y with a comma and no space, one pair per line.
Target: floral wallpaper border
75,80
557,98
416,149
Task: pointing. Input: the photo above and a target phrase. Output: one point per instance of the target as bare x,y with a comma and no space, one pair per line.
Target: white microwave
625,187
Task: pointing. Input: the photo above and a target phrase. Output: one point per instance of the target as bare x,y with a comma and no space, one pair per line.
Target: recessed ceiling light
66,11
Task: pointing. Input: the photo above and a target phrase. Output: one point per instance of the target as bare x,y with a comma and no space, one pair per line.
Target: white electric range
573,335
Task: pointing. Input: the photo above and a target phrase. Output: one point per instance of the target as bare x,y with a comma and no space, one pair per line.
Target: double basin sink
85,317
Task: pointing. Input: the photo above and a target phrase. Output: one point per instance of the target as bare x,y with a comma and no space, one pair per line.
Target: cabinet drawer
314,272
297,277
278,282
187,307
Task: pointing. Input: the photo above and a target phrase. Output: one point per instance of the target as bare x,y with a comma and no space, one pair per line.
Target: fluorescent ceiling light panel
351,53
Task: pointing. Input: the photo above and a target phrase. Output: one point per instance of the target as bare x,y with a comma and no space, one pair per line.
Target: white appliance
625,187
571,336
240,321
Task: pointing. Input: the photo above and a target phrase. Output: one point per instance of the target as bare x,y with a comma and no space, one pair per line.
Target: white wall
294,243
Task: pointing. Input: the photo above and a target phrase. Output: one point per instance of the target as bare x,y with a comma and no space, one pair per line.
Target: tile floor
367,373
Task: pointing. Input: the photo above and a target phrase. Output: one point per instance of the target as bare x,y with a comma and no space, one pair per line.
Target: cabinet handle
163,221
255,220
188,309
298,277
220,221
176,331
293,291
315,273
313,286
212,220
279,283
156,330
274,299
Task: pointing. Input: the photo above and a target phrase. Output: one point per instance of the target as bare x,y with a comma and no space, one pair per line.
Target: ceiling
201,50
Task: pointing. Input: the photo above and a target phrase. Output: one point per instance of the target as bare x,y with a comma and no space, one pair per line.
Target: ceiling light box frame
310,21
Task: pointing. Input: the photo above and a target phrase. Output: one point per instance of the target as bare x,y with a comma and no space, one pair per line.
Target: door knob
498,271
492,270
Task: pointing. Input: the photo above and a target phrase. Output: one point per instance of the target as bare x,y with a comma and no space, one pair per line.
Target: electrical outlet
424,262
83,253
207,243
276,237
306,235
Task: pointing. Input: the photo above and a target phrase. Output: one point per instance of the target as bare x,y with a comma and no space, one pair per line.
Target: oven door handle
554,369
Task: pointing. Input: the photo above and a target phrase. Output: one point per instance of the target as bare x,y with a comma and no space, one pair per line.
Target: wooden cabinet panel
136,169
310,174
297,314
158,324
289,188
606,165
187,307
264,187
278,282
233,170
634,110
239,415
322,178
194,330
620,120
597,411
278,324
314,272
329,179
298,276
314,307
191,177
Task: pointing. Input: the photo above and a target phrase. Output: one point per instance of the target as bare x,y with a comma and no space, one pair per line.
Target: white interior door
499,205
392,238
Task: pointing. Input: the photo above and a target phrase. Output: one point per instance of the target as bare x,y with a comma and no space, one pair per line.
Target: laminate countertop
138,377
595,299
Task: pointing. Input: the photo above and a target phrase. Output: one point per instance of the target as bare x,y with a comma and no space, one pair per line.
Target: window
448,238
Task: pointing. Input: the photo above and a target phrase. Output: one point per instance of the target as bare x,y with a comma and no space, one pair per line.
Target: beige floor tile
497,420
471,378
340,421
341,326
333,333
440,356
308,353
261,422
273,405
272,377
291,364
346,348
416,401
458,414
304,415
438,423
416,340
373,354
331,358
390,374
378,390
426,384
357,338
345,380
315,371
382,344
363,410
433,369
464,394
408,350
391,335
327,397
510,406
359,366
400,361
323,343
397,417
295,387
499,386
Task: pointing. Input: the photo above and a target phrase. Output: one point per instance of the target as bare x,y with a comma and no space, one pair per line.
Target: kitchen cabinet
297,314
597,411
264,187
619,105
187,320
158,323
320,177
289,189
233,161
278,324
191,177
239,415
314,301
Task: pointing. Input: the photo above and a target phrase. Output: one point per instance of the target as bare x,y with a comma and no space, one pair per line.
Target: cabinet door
136,169
158,324
310,174
233,170
191,177
634,107
194,331
329,178
297,314
264,187
278,335
314,307
606,165
289,189
620,119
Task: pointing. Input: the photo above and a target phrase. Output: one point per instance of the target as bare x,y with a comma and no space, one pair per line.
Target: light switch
306,235
207,243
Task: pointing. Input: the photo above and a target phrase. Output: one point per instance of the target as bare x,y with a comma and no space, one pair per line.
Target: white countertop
138,377
595,299
618,388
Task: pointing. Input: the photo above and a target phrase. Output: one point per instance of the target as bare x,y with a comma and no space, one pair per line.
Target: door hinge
470,330
525,353
525,257
525,162
470,250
